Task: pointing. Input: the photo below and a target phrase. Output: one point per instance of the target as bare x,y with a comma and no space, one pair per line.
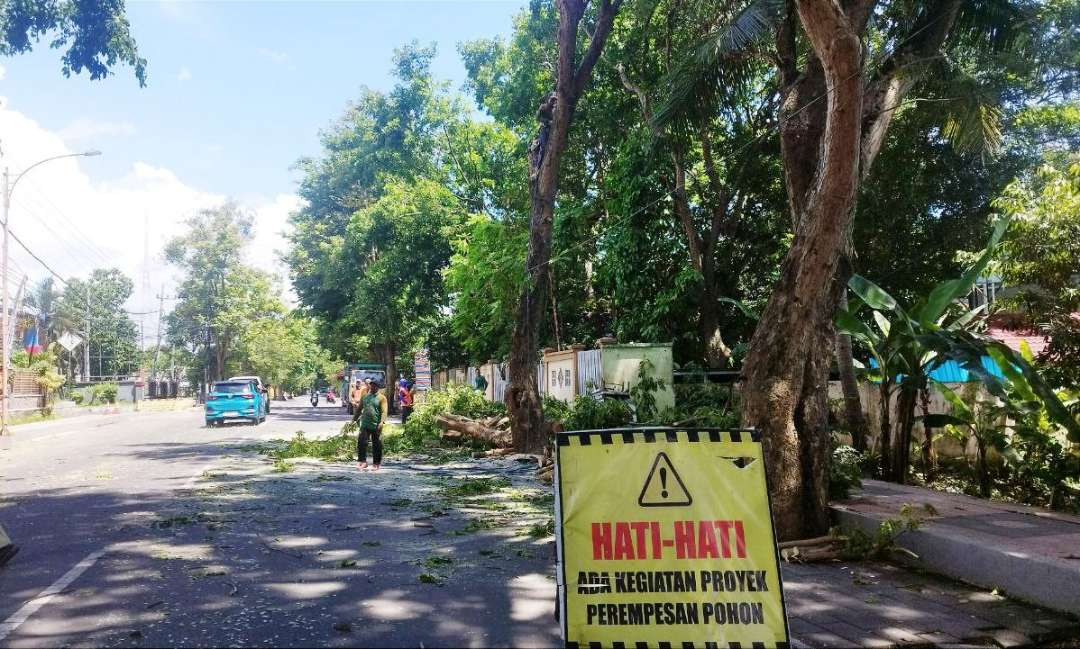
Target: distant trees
97,303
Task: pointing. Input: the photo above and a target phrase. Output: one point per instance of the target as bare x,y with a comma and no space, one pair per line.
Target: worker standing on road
356,394
371,416
405,396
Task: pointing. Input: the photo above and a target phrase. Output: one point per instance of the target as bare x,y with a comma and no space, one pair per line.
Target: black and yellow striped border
653,435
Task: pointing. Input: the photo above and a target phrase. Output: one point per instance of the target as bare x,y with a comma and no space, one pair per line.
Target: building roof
1035,339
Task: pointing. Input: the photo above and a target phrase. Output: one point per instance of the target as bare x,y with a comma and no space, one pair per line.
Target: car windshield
232,388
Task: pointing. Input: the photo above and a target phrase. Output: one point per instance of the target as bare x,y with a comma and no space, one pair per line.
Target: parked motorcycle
314,399
329,397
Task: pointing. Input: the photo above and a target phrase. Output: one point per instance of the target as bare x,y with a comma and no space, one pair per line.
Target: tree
98,303
397,175
284,352
219,296
391,263
827,148
96,32
1041,256
52,321
555,115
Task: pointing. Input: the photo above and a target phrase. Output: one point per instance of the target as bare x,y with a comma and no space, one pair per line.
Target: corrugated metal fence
590,371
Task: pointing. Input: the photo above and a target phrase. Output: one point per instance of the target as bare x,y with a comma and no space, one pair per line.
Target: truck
354,372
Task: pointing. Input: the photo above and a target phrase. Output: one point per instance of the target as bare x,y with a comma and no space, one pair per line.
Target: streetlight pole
5,357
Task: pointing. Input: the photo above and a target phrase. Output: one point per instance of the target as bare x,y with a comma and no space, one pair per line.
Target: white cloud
184,74
273,55
3,71
271,226
84,128
76,224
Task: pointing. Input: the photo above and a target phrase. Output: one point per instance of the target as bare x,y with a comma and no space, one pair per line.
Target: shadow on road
320,555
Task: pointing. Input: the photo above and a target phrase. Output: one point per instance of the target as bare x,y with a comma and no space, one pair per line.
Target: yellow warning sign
664,487
689,557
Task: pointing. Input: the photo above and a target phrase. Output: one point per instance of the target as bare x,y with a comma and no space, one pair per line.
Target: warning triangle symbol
663,487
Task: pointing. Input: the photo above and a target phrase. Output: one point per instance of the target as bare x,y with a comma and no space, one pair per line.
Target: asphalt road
148,529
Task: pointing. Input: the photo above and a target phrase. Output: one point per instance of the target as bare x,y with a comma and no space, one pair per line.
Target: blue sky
238,90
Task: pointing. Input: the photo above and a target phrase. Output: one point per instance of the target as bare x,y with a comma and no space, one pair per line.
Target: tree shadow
321,555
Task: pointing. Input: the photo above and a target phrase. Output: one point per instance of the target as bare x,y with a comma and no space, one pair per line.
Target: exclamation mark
663,482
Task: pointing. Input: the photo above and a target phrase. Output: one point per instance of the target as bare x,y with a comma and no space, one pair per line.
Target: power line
59,277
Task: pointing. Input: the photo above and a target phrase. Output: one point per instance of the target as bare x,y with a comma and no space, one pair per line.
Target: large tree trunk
555,115
885,418
905,405
389,353
928,436
783,392
854,419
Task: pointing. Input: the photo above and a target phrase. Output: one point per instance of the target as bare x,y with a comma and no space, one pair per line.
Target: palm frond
718,62
971,117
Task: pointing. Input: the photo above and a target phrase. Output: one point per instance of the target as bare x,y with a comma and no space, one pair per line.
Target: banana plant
907,344
982,419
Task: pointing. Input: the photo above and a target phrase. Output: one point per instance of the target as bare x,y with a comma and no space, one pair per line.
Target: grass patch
476,525
436,562
281,466
175,521
29,418
468,487
338,448
326,477
542,530
399,502
428,578
347,563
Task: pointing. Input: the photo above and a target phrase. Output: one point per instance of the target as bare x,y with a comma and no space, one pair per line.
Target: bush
104,393
845,471
78,398
455,400
703,404
588,413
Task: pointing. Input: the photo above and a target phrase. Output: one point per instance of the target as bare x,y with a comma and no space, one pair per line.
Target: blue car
235,400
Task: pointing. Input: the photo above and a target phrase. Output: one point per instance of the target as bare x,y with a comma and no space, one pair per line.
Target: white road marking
32,606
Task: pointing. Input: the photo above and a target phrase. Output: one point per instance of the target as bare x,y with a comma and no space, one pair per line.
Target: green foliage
860,545
113,334
219,293
586,413
845,471
337,448
462,400
43,365
104,393
78,398
643,394
97,34
1041,257
704,404
468,487
484,283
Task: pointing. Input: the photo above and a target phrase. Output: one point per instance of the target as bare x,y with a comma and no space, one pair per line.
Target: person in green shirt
371,416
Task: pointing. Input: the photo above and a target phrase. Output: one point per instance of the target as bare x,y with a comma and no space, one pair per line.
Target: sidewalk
1030,553
870,604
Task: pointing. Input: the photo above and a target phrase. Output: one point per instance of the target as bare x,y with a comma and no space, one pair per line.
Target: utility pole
5,357
86,343
157,345
4,396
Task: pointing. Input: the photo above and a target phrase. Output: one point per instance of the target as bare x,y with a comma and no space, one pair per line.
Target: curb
1045,581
